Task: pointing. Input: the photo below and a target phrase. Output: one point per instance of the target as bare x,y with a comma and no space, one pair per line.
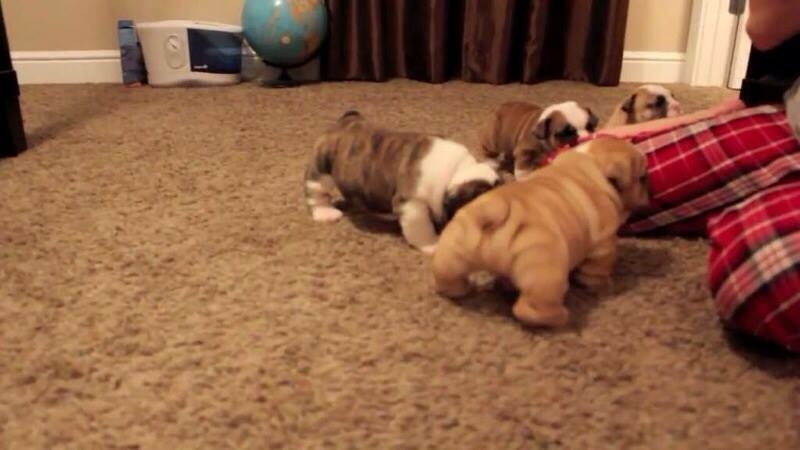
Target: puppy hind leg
453,282
542,277
417,226
595,272
451,272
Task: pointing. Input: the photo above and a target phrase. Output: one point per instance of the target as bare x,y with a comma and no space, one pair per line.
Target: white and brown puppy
535,232
519,136
419,179
648,102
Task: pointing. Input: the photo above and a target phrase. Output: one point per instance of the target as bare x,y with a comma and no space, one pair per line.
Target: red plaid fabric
754,264
699,169
737,178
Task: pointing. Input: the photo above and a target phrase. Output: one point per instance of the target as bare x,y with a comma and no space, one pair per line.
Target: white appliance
191,53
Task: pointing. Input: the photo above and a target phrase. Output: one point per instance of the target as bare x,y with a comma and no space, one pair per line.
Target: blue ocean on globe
285,33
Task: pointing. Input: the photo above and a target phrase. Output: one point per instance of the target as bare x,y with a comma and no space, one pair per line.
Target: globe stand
289,33
284,80
282,77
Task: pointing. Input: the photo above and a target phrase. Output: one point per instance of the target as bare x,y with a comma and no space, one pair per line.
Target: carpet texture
162,286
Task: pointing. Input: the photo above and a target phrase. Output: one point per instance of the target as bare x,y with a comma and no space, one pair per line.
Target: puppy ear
450,205
627,106
453,201
593,120
616,183
459,197
615,174
542,130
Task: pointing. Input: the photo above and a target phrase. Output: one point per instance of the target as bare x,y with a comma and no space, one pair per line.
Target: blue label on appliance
133,68
213,51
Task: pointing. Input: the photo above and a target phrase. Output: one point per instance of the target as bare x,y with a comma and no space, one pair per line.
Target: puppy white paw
325,214
428,249
482,280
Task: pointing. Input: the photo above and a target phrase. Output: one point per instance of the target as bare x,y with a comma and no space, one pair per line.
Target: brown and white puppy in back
648,102
519,136
419,179
535,232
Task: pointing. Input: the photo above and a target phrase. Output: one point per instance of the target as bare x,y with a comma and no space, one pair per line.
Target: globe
285,33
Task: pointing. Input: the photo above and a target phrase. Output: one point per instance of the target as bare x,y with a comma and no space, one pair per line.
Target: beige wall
91,24
58,24
225,11
653,25
658,25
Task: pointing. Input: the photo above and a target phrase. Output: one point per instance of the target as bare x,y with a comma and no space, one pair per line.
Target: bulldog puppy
648,102
421,180
536,232
518,136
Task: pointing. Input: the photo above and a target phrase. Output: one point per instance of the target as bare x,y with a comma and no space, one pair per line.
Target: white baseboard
68,67
653,67
103,66
86,66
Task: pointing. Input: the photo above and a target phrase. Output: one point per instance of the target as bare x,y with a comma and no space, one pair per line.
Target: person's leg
697,170
754,264
12,129
772,22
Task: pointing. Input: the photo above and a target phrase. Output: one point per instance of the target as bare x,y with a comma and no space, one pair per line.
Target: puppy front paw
482,280
325,214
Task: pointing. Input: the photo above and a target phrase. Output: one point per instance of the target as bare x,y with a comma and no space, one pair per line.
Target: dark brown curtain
493,41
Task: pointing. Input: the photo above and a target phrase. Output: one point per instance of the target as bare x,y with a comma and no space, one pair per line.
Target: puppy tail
483,215
349,117
490,213
350,113
319,185
457,254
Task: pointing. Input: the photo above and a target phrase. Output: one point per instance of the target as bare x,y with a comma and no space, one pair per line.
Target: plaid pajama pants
735,179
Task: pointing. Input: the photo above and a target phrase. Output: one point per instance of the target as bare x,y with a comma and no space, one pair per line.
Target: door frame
741,52
711,44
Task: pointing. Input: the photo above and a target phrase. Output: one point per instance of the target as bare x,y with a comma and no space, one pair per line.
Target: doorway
718,47
741,51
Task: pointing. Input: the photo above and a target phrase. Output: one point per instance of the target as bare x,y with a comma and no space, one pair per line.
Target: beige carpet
162,286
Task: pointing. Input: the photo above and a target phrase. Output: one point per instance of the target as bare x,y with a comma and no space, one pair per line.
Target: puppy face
651,102
559,125
563,123
624,167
